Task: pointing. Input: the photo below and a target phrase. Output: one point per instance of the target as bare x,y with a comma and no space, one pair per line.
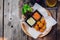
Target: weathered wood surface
58,24
12,28
1,17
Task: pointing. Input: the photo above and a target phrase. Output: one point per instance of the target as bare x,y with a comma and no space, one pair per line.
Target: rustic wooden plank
58,18
58,24
7,28
12,28
1,17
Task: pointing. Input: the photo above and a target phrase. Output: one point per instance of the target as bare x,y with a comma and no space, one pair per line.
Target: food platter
24,27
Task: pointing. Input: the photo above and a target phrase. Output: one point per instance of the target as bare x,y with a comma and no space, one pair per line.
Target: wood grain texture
58,24
1,17
12,29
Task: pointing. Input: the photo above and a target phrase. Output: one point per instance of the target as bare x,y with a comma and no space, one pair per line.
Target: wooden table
12,29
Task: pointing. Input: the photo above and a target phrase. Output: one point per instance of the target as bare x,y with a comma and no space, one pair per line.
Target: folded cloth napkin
49,21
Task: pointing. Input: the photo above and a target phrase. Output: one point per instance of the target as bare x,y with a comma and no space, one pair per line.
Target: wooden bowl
24,28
